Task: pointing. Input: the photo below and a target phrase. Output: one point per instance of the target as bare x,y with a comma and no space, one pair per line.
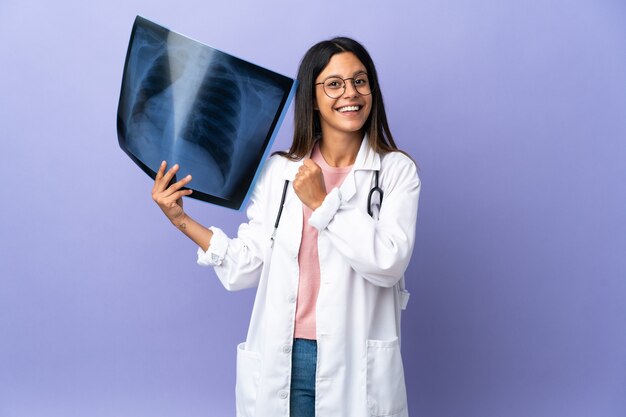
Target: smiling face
346,115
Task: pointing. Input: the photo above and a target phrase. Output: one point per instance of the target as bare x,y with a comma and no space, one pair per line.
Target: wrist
181,221
317,203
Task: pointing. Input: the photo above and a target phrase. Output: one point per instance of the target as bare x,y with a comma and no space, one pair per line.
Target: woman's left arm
378,250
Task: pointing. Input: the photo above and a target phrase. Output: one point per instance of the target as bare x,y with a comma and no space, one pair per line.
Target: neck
340,150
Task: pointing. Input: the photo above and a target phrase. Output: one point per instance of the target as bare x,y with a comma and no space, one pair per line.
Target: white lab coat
359,367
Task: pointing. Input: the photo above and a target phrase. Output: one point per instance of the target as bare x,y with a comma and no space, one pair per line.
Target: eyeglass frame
344,85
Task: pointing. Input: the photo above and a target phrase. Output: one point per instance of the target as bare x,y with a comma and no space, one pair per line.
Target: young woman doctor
324,333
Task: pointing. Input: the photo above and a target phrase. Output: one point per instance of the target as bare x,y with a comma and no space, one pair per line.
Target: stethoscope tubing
371,193
280,211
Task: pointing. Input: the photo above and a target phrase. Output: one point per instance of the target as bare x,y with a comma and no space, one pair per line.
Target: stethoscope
375,190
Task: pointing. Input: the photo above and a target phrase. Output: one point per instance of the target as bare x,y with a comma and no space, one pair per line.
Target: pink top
308,258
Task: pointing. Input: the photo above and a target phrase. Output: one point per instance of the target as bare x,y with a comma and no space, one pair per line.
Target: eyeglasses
335,87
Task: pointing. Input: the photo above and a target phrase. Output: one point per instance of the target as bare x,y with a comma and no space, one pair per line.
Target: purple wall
515,112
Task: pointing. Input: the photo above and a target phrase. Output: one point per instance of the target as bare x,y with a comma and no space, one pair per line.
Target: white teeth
348,108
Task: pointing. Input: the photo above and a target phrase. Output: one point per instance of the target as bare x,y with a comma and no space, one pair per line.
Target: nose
350,89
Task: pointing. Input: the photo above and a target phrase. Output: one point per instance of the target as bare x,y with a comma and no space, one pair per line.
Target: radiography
214,114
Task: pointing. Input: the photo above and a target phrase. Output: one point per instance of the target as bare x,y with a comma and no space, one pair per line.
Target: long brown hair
307,128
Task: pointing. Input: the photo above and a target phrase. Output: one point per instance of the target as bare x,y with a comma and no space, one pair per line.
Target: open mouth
345,109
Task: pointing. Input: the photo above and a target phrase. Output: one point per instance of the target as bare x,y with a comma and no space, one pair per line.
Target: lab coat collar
366,160
292,167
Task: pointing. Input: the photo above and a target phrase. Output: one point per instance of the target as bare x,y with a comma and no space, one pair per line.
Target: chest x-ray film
187,103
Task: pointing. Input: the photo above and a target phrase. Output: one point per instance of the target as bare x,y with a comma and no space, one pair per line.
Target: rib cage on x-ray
155,82
218,94
188,103
157,79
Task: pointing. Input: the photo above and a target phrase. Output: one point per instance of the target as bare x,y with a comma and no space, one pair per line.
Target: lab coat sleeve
378,250
238,262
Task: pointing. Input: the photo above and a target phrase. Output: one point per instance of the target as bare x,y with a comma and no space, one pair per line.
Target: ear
315,106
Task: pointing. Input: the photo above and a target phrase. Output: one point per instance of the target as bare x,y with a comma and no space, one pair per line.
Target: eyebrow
353,75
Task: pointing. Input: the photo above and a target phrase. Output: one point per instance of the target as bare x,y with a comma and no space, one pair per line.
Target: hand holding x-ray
170,197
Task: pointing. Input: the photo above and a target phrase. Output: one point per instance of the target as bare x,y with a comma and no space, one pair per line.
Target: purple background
515,112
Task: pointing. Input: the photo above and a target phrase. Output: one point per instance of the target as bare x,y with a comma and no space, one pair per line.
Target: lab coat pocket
248,375
386,392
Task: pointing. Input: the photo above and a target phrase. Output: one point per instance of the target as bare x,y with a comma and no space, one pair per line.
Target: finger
309,163
173,206
179,184
300,178
159,175
164,183
161,170
160,188
172,189
180,194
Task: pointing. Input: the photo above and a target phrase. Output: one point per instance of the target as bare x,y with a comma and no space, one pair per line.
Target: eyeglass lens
334,87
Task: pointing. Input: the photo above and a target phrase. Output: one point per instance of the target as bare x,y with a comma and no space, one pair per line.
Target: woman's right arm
170,201
237,262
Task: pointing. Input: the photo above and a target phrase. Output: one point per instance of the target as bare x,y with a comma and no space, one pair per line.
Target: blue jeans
303,364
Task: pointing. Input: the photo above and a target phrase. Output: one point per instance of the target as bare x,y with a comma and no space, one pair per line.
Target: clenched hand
309,184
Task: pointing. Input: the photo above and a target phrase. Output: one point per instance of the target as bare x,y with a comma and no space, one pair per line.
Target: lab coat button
287,349
215,259
283,394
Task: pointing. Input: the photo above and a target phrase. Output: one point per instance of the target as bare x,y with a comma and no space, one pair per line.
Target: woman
324,333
